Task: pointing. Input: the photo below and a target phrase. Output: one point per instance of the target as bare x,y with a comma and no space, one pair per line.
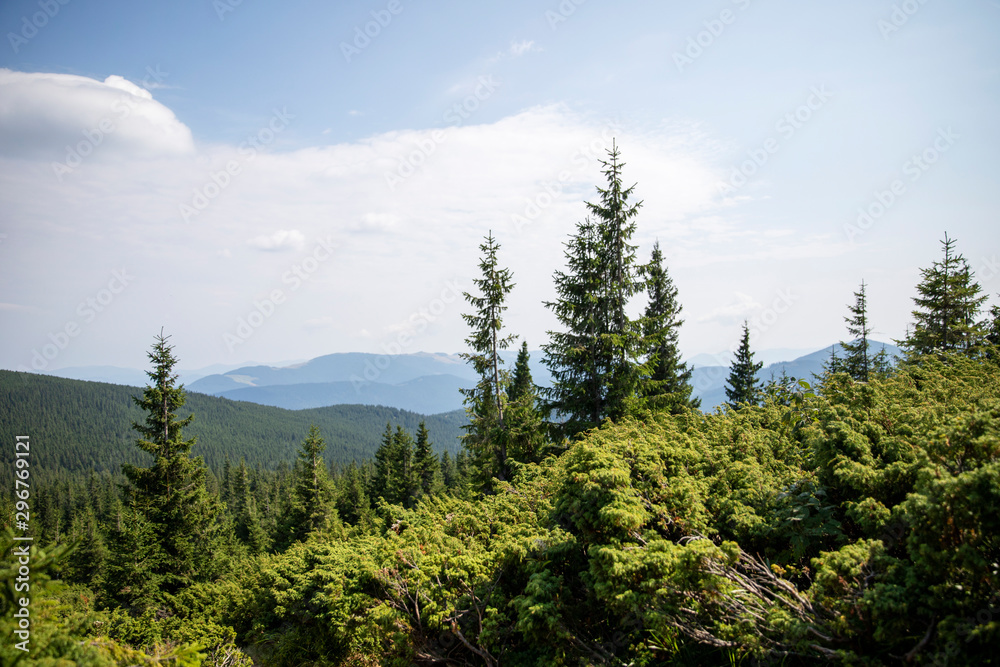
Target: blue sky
268,182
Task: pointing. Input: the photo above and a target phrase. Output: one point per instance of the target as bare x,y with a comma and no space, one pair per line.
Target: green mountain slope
76,425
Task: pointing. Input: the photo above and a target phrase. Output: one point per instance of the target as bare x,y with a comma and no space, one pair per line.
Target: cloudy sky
273,181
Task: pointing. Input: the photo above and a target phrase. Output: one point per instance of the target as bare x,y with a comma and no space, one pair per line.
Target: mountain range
424,383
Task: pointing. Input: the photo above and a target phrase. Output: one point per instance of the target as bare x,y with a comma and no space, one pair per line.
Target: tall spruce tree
525,428
858,361
576,356
947,306
170,495
426,467
742,386
594,363
667,383
486,402
312,508
395,480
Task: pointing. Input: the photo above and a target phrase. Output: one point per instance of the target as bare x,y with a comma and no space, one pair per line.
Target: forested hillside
87,426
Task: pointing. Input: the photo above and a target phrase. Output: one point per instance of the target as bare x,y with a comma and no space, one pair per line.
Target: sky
271,181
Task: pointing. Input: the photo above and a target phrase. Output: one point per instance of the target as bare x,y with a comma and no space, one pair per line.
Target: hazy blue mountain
710,381
428,394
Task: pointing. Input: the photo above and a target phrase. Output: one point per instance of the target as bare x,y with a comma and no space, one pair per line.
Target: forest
848,518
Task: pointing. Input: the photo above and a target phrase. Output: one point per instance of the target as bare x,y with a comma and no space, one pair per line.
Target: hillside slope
76,425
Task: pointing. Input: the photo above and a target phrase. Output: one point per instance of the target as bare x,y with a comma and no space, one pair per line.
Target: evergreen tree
521,384
170,495
947,306
394,480
426,468
246,518
575,356
353,505
594,362
667,384
486,402
312,503
449,473
742,386
525,428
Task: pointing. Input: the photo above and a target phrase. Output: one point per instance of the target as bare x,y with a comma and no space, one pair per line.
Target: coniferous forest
850,518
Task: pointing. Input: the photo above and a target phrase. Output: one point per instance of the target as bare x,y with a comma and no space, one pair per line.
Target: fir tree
486,402
667,383
525,428
521,384
947,306
170,495
742,386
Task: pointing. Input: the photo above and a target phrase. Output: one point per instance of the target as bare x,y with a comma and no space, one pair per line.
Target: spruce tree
486,402
575,356
312,501
667,383
353,505
170,495
427,470
947,306
742,386
525,428
394,480
594,362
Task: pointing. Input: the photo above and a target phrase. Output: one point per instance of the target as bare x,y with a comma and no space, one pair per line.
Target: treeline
605,520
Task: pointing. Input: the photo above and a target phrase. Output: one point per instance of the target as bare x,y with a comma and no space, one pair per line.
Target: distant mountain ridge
430,383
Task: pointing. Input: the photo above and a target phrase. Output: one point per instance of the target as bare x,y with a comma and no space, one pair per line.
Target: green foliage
486,403
667,383
949,301
595,360
742,385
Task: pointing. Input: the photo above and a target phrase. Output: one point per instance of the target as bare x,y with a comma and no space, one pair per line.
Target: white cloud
733,312
50,116
283,239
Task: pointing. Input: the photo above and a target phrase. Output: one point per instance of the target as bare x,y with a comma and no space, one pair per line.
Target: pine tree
594,363
667,384
947,306
486,402
742,386
170,495
312,502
